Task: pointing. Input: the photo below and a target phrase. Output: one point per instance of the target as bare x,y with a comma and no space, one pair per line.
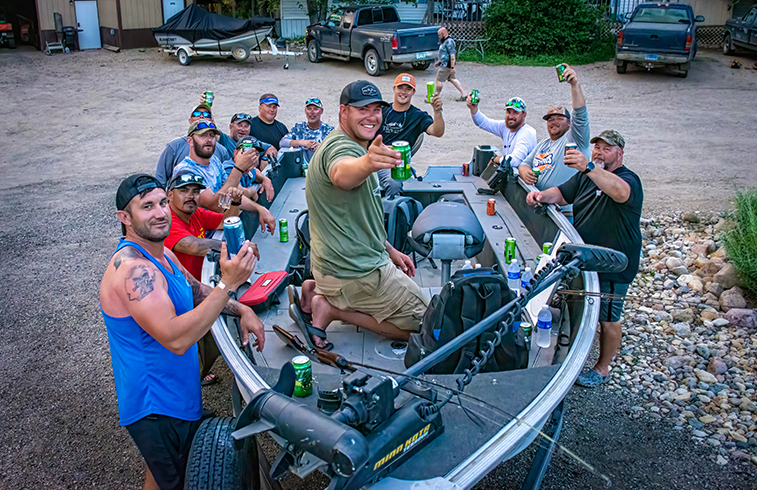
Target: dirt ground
75,125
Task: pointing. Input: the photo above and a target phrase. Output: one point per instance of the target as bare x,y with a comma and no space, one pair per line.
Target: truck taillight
688,42
620,38
6,27
395,42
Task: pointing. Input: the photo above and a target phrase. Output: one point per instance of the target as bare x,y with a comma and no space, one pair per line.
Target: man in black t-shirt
607,199
402,121
264,126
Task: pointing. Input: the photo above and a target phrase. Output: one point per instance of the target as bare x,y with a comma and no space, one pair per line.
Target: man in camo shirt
308,134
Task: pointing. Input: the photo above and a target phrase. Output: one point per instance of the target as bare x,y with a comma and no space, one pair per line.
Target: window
661,15
378,15
749,17
390,15
336,17
365,18
348,16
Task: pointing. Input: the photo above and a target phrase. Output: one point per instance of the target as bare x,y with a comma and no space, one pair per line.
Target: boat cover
195,23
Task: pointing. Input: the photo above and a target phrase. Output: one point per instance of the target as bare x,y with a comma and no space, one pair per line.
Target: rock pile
690,342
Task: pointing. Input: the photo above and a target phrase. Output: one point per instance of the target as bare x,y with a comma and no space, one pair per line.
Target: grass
741,242
604,54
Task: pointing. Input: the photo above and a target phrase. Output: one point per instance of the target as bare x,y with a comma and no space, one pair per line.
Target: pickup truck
374,34
658,34
741,33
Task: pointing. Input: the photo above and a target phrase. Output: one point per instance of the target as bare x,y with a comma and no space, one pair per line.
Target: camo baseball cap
611,137
202,126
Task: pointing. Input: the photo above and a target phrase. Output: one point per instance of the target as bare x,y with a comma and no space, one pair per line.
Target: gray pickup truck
658,34
741,33
374,34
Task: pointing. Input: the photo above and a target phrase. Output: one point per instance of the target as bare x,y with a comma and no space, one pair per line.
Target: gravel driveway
75,125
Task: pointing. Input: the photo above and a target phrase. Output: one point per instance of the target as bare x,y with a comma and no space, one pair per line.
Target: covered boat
390,427
195,31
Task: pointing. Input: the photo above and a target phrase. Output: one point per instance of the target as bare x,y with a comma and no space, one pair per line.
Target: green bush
741,242
546,27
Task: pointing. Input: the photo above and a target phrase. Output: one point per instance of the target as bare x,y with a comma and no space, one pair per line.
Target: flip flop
208,380
308,330
294,299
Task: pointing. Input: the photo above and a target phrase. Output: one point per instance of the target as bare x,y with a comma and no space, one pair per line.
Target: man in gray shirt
446,63
178,149
562,128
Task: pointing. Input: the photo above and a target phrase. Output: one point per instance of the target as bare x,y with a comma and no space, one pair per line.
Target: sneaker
591,379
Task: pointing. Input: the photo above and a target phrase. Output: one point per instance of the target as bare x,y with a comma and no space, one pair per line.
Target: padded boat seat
447,231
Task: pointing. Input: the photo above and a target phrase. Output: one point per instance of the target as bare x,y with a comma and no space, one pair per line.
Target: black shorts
164,443
611,309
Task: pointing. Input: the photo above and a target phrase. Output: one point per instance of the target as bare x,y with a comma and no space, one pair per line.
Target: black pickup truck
741,33
658,34
374,34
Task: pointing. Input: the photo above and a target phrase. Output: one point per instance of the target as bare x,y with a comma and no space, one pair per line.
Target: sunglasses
188,178
206,125
241,117
200,114
313,101
516,104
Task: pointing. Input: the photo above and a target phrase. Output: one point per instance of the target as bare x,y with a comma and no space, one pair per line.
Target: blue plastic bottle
544,327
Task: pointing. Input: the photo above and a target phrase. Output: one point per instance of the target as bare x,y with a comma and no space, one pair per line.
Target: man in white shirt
518,138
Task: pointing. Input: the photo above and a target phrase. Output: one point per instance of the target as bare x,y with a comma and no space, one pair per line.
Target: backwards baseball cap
611,137
201,127
516,104
184,178
269,99
202,107
405,79
133,186
360,94
556,110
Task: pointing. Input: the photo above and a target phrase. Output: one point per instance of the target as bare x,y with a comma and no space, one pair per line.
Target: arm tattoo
201,291
139,283
125,254
233,308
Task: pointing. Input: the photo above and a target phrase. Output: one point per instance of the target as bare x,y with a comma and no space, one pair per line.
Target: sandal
294,299
592,379
308,330
208,380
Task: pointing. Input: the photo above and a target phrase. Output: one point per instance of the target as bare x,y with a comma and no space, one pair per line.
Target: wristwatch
589,168
222,286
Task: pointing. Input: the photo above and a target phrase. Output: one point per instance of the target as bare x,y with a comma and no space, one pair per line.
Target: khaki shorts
444,74
386,294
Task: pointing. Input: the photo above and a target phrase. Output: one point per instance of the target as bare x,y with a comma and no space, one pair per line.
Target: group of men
158,314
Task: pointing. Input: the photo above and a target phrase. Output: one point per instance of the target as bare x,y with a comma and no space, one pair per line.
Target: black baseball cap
131,187
360,94
184,178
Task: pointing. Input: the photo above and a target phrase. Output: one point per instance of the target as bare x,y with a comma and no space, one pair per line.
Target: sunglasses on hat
206,125
517,104
241,116
313,101
188,178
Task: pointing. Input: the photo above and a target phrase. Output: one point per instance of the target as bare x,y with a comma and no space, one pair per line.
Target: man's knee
392,188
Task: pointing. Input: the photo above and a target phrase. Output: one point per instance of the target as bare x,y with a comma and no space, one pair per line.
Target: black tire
240,53
683,73
314,51
374,65
622,68
215,464
184,58
421,65
728,45
12,43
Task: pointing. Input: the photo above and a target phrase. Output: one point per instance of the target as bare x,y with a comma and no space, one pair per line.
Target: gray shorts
611,309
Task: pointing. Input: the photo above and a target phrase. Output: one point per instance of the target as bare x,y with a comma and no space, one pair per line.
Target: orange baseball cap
405,79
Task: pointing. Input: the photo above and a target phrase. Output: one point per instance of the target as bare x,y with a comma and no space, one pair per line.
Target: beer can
509,250
474,96
208,96
283,230
560,69
304,169
490,207
402,170
570,146
234,234
430,91
466,169
526,328
247,145
303,376
546,247
536,172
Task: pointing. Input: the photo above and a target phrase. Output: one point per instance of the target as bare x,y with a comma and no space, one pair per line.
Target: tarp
195,23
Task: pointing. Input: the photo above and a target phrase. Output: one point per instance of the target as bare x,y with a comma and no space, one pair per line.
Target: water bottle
466,265
544,327
525,279
513,276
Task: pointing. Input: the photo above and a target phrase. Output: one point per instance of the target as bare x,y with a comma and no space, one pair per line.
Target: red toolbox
265,292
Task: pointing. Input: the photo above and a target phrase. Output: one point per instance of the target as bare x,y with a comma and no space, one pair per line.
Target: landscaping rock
716,366
705,377
727,277
742,317
732,298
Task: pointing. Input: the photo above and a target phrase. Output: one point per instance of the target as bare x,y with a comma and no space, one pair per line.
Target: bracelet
237,168
236,203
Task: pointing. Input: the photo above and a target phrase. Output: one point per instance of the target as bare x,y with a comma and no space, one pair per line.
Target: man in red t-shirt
189,239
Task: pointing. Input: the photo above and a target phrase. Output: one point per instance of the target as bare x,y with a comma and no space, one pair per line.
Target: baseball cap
516,104
556,110
405,79
360,94
314,101
202,106
184,178
241,116
611,137
201,127
131,187
244,140
269,99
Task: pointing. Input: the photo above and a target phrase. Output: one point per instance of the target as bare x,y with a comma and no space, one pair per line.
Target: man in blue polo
155,312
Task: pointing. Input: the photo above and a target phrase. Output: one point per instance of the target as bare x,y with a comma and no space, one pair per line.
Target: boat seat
447,231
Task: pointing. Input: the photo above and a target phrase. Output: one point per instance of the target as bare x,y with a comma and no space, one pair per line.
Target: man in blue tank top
155,312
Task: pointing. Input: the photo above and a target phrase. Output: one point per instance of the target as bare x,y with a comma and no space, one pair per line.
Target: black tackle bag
467,298
400,213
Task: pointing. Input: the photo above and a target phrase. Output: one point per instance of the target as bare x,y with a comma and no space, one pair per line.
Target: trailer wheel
314,51
184,58
373,63
421,65
214,462
240,53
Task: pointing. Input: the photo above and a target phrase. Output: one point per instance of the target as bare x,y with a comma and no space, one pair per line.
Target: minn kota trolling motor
374,429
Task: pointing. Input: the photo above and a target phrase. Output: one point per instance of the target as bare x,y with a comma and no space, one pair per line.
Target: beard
203,153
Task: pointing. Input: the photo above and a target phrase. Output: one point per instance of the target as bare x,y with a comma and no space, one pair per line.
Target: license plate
651,57
420,56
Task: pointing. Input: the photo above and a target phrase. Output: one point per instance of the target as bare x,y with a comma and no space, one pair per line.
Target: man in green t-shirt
359,277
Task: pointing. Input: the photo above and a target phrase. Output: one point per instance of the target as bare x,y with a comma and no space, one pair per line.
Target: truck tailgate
653,37
417,39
